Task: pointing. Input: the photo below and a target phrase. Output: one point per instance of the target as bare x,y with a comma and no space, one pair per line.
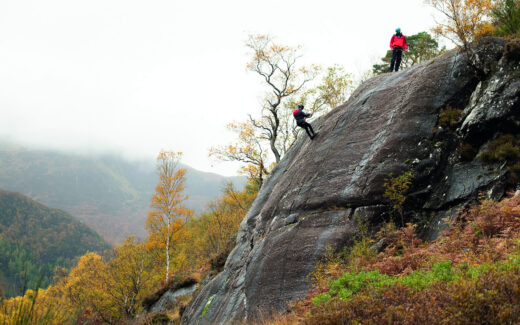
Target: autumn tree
210,234
421,47
277,66
129,276
86,289
248,149
167,214
464,21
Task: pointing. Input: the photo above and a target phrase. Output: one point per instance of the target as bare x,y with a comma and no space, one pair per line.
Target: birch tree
167,215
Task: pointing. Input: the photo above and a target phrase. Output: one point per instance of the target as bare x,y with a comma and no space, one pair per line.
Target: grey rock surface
170,297
320,191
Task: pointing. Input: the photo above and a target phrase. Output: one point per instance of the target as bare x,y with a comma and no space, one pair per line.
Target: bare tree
277,65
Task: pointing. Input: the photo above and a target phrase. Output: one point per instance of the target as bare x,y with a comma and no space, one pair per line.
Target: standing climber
397,44
300,116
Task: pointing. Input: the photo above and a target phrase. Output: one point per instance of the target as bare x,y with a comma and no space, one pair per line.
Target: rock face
170,298
317,194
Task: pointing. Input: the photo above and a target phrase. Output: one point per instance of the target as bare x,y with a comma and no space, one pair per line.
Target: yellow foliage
130,276
86,289
167,215
208,236
485,30
247,149
464,20
35,307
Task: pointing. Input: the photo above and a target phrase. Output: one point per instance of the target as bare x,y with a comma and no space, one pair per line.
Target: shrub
466,151
492,298
449,117
395,188
350,284
501,149
361,252
512,50
504,149
455,276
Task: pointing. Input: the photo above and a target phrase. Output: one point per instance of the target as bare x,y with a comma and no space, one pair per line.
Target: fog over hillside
108,192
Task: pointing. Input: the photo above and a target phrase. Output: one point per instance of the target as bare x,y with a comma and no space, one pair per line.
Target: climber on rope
299,116
397,44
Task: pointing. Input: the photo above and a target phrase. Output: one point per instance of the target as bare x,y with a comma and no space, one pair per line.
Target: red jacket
398,42
300,115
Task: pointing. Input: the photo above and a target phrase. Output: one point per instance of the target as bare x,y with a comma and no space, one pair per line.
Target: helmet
300,106
398,30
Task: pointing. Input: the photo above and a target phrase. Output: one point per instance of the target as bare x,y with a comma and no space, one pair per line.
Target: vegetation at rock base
449,117
512,50
466,151
471,274
504,149
395,189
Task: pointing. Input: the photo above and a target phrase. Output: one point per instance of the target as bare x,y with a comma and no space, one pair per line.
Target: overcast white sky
135,77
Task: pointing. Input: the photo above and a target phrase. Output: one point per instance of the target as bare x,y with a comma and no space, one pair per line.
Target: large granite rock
315,196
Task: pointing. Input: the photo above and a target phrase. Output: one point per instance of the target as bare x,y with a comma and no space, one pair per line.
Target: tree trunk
168,250
275,150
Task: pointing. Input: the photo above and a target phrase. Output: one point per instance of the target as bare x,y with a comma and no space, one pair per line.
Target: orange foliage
465,20
486,233
247,149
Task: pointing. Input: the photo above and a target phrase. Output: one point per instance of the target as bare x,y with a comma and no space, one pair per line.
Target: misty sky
135,77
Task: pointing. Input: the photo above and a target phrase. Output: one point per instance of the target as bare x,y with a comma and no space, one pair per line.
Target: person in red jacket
299,116
397,44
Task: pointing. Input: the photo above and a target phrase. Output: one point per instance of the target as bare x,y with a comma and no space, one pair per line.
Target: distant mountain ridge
108,193
34,237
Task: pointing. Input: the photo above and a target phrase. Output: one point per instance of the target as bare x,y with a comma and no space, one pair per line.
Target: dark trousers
397,55
308,128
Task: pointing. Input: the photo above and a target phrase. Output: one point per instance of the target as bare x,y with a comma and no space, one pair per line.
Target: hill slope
108,193
456,132
33,236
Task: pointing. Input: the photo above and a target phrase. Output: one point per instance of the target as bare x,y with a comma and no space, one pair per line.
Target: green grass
352,283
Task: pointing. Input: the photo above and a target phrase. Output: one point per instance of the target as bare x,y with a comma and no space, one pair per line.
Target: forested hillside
35,238
108,193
